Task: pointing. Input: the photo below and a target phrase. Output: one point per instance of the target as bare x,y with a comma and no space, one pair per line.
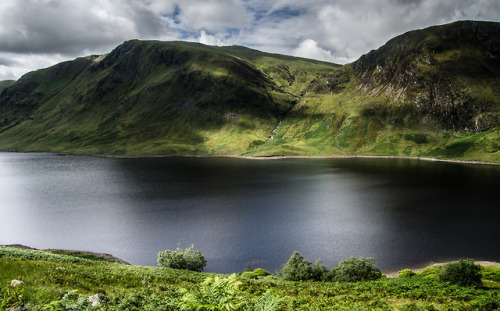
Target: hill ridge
431,92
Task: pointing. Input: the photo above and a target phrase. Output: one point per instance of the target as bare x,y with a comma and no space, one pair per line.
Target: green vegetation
187,259
349,270
5,84
261,272
296,269
463,272
427,93
218,293
406,273
255,274
354,270
62,282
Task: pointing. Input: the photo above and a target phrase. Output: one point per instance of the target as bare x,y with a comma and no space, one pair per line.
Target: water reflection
236,211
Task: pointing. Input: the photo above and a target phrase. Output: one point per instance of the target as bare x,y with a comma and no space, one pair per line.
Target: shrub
318,270
187,259
71,301
261,272
354,270
296,269
248,275
464,272
406,273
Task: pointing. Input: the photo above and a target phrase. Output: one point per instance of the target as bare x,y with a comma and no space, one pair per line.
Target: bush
464,272
406,273
248,275
261,272
187,259
296,269
318,270
354,270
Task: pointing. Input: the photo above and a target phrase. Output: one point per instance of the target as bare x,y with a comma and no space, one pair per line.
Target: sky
39,33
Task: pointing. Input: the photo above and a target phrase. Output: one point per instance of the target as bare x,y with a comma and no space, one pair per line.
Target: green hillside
428,93
149,97
5,84
61,282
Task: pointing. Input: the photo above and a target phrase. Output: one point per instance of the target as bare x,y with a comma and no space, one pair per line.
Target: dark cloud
407,2
4,61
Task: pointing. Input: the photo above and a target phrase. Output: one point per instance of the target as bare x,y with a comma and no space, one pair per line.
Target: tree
296,269
354,270
187,259
464,272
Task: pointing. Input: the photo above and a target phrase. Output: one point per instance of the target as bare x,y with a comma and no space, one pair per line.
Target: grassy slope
427,93
48,277
5,84
152,97
337,124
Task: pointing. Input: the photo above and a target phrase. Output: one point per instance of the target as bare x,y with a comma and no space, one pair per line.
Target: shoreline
472,162
390,273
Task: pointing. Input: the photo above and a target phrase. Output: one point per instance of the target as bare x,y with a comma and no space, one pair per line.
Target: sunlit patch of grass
49,277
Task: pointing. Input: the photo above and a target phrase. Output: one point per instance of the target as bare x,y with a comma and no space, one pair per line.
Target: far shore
263,157
389,273
333,157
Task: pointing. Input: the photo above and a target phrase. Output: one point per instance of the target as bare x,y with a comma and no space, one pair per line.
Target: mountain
5,84
427,93
431,93
150,97
449,73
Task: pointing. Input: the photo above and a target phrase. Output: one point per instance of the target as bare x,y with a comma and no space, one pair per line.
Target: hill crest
420,94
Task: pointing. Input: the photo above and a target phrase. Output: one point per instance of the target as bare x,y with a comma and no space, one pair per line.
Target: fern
218,293
267,302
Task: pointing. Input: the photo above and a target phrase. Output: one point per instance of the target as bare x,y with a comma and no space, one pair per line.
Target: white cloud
209,39
310,49
19,64
38,32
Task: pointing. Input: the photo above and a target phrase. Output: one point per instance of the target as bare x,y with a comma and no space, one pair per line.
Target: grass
48,278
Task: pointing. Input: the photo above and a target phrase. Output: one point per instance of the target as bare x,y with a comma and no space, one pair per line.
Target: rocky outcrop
443,71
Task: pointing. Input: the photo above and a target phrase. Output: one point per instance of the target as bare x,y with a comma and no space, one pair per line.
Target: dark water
401,212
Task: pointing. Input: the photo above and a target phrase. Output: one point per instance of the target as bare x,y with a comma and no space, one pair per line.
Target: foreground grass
63,282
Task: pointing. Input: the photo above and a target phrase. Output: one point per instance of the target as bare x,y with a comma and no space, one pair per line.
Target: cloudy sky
39,33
